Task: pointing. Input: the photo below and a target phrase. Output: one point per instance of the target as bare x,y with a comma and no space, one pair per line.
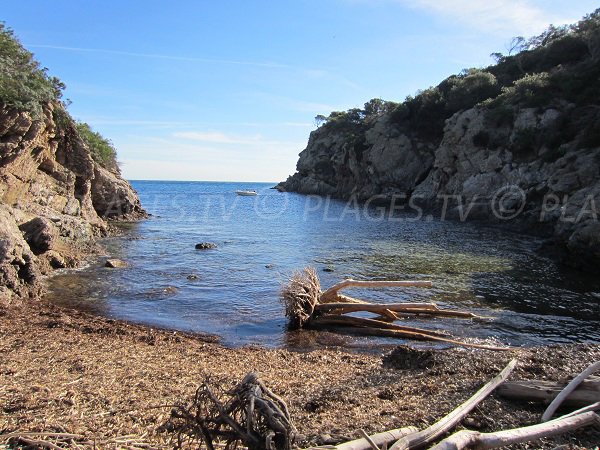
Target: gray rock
40,233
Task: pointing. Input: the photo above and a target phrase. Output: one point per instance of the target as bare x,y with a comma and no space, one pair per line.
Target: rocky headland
515,144
55,199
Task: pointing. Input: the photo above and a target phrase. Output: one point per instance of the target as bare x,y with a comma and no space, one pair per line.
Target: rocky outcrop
380,161
517,167
55,200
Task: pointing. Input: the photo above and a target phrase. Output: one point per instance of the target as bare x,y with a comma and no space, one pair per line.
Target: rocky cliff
55,200
483,168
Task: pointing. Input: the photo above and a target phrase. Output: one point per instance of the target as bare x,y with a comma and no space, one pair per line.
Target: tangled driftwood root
300,296
250,415
306,306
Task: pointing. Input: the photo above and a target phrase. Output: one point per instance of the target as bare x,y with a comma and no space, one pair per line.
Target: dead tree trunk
307,306
430,434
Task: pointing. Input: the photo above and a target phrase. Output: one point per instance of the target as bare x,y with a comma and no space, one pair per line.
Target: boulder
19,272
41,234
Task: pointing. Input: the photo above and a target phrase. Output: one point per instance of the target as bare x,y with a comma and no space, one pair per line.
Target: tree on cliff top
561,64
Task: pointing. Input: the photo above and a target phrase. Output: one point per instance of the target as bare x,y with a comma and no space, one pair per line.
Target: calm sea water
233,290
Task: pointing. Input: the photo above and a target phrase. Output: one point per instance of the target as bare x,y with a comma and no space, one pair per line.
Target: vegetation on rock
559,65
24,85
101,149
27,87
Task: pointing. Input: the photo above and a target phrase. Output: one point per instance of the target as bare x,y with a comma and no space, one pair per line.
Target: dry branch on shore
250,415
306,306
544,391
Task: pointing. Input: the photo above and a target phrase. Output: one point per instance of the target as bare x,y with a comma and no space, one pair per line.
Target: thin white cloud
508,17
161,56
217,137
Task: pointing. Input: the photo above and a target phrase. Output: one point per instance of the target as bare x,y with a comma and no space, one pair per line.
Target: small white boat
246,193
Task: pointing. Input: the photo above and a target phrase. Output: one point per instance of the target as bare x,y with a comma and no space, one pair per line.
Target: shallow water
233,290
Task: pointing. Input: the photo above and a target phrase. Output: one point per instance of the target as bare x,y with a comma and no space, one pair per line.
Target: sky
228,90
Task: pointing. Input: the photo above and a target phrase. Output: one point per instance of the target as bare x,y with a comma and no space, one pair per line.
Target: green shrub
499,115
23,84
468,90
102,150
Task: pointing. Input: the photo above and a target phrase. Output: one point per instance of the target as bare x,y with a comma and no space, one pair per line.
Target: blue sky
228,90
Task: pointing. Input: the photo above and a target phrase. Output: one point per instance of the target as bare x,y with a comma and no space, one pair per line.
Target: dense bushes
102,150
561,64
23,83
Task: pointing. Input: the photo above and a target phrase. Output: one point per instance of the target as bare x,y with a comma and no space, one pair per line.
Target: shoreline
70,371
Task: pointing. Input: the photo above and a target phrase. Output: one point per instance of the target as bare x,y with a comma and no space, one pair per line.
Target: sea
233,290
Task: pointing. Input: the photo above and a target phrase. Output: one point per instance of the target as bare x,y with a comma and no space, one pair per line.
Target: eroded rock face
114,198
380,163
53,199
515,168
18,268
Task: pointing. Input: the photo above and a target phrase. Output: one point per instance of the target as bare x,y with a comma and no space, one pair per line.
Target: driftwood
545,391
250,414
307,306
567,390
255,417
475,440
332,294
430,434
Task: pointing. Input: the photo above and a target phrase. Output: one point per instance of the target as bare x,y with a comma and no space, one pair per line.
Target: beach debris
554,405
449,421
307,306
116,264
205,246
410,438
473,439
544,391
249,415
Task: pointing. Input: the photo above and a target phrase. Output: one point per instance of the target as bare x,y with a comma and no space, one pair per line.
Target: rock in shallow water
115,264
205,246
